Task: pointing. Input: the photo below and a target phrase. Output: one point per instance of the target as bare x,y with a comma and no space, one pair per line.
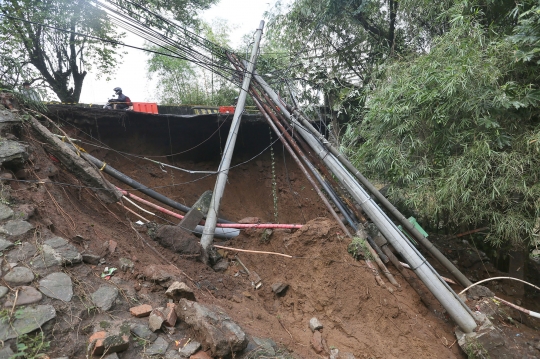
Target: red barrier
147,107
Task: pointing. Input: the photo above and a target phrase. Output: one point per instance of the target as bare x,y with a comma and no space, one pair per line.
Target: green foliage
455,132
31,346
182,82
358,249
527,33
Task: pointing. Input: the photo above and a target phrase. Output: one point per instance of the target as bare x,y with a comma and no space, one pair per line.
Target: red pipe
223,225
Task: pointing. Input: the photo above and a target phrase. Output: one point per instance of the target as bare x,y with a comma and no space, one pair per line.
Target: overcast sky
243,16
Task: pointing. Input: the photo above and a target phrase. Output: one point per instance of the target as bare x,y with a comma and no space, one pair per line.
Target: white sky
242,15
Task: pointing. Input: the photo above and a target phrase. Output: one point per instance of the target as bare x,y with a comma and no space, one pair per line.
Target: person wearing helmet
122,102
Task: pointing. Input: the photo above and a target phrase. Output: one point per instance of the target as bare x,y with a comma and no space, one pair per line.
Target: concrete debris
16,227
26,295
218,332
221,266
158,347
104,297
141,311
19,276
57,285
27,320
315,324
179,290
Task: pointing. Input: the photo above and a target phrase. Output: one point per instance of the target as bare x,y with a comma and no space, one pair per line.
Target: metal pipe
444,294
386,203
105,167
274,124
223,170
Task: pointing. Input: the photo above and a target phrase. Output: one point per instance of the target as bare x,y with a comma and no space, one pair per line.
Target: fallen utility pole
385,202
111,171
459,312
78,166
223,170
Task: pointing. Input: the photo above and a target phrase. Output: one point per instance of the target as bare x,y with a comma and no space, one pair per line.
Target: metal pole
223,171
444,294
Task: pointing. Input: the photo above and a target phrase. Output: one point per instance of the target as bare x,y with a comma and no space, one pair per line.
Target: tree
182,82
455,131
63,40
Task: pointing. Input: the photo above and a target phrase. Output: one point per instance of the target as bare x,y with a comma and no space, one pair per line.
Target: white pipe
223,170
449,300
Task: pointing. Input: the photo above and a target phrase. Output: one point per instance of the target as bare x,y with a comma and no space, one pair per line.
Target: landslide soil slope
324,281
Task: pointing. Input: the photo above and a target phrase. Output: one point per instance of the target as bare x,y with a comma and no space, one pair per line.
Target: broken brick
104,343
170,315
317,342
200,355
141,310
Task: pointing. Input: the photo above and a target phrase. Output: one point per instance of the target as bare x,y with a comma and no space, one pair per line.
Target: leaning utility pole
223,171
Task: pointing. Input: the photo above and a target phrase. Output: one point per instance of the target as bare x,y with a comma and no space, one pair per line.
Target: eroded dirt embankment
324,281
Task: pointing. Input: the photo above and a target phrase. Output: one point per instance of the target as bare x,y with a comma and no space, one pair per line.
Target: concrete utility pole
223,171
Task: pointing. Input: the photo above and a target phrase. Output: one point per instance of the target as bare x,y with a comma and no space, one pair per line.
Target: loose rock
12,153
27,295
57,285
218,331
3,291
27,320
22,253
173,354
16,227
126,264
67,252
317,342
5,212
6,353
90,258
314,324
179,290
141,311
5,244
158,347
104,297
170,315
280,288
19,276
143,332
221,266
189,349
105,343
156,319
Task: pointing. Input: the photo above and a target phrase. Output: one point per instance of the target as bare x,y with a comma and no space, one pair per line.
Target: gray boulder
21,253
12,153
67,252
215,328
19,276
16,227
104,297
27,320
5,212
57,285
